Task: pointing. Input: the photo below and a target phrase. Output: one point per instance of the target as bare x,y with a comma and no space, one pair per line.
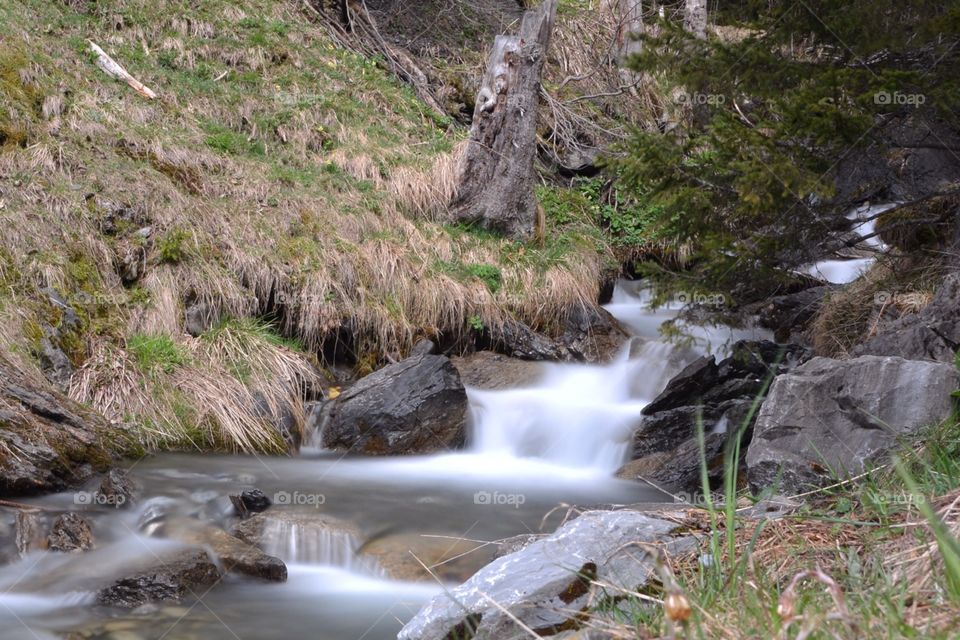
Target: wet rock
250,501
70,533
718,397
169,580
57,442
446,559
236,555
517,340
788,315
545,584
931,334
832,418
424,347
678,468
592,334
415,406
29,532
490,370
687,387
116,489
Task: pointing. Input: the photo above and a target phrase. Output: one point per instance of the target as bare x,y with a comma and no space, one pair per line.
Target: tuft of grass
156,353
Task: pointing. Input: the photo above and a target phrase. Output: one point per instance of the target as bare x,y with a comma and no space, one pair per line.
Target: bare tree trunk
497,178
695,18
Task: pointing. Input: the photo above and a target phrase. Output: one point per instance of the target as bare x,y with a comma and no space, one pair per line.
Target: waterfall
582,416
316,542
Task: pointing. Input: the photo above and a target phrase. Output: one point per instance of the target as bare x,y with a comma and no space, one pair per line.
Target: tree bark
497,177
695,18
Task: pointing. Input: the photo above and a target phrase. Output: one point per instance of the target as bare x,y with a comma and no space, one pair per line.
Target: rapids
530,450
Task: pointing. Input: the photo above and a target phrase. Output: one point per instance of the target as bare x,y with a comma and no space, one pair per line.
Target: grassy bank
876,557
279,186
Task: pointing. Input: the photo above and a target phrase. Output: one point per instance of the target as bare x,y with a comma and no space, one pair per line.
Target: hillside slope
177,263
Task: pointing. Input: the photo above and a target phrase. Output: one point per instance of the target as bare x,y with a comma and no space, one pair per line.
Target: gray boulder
547,582
415,406
832,418
718,396
931,334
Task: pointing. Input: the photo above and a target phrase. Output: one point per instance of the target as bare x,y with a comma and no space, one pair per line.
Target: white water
312,543
840,271
553,442
582,417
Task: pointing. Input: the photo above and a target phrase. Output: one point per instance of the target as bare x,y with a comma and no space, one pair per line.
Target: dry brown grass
233,385
893,287
298,182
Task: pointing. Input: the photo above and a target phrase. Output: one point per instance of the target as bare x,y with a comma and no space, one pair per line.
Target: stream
531,452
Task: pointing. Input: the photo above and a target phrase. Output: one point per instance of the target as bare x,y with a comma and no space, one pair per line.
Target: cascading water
310,542
576,416
555,441
840,271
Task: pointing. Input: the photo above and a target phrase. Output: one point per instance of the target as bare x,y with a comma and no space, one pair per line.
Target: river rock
47,441
447,559
116,489
234,554
720,396
930,334
517,340
490,370
545,584
831,418
28,532
70,533
255,500
788,315
169,579
415,406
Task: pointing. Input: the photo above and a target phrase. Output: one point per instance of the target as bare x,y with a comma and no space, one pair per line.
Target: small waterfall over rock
317,541
583,416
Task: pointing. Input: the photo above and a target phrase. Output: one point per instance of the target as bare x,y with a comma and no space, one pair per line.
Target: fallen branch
110,66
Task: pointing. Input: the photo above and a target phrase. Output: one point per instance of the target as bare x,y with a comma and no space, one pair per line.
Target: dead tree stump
497,178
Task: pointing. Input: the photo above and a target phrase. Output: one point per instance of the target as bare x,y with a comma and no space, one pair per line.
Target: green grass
156,353
825,571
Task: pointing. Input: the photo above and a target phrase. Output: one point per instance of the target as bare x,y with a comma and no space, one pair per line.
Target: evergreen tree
770,108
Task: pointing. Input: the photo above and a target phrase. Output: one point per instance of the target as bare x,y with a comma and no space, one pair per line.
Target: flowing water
841,271
531,450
